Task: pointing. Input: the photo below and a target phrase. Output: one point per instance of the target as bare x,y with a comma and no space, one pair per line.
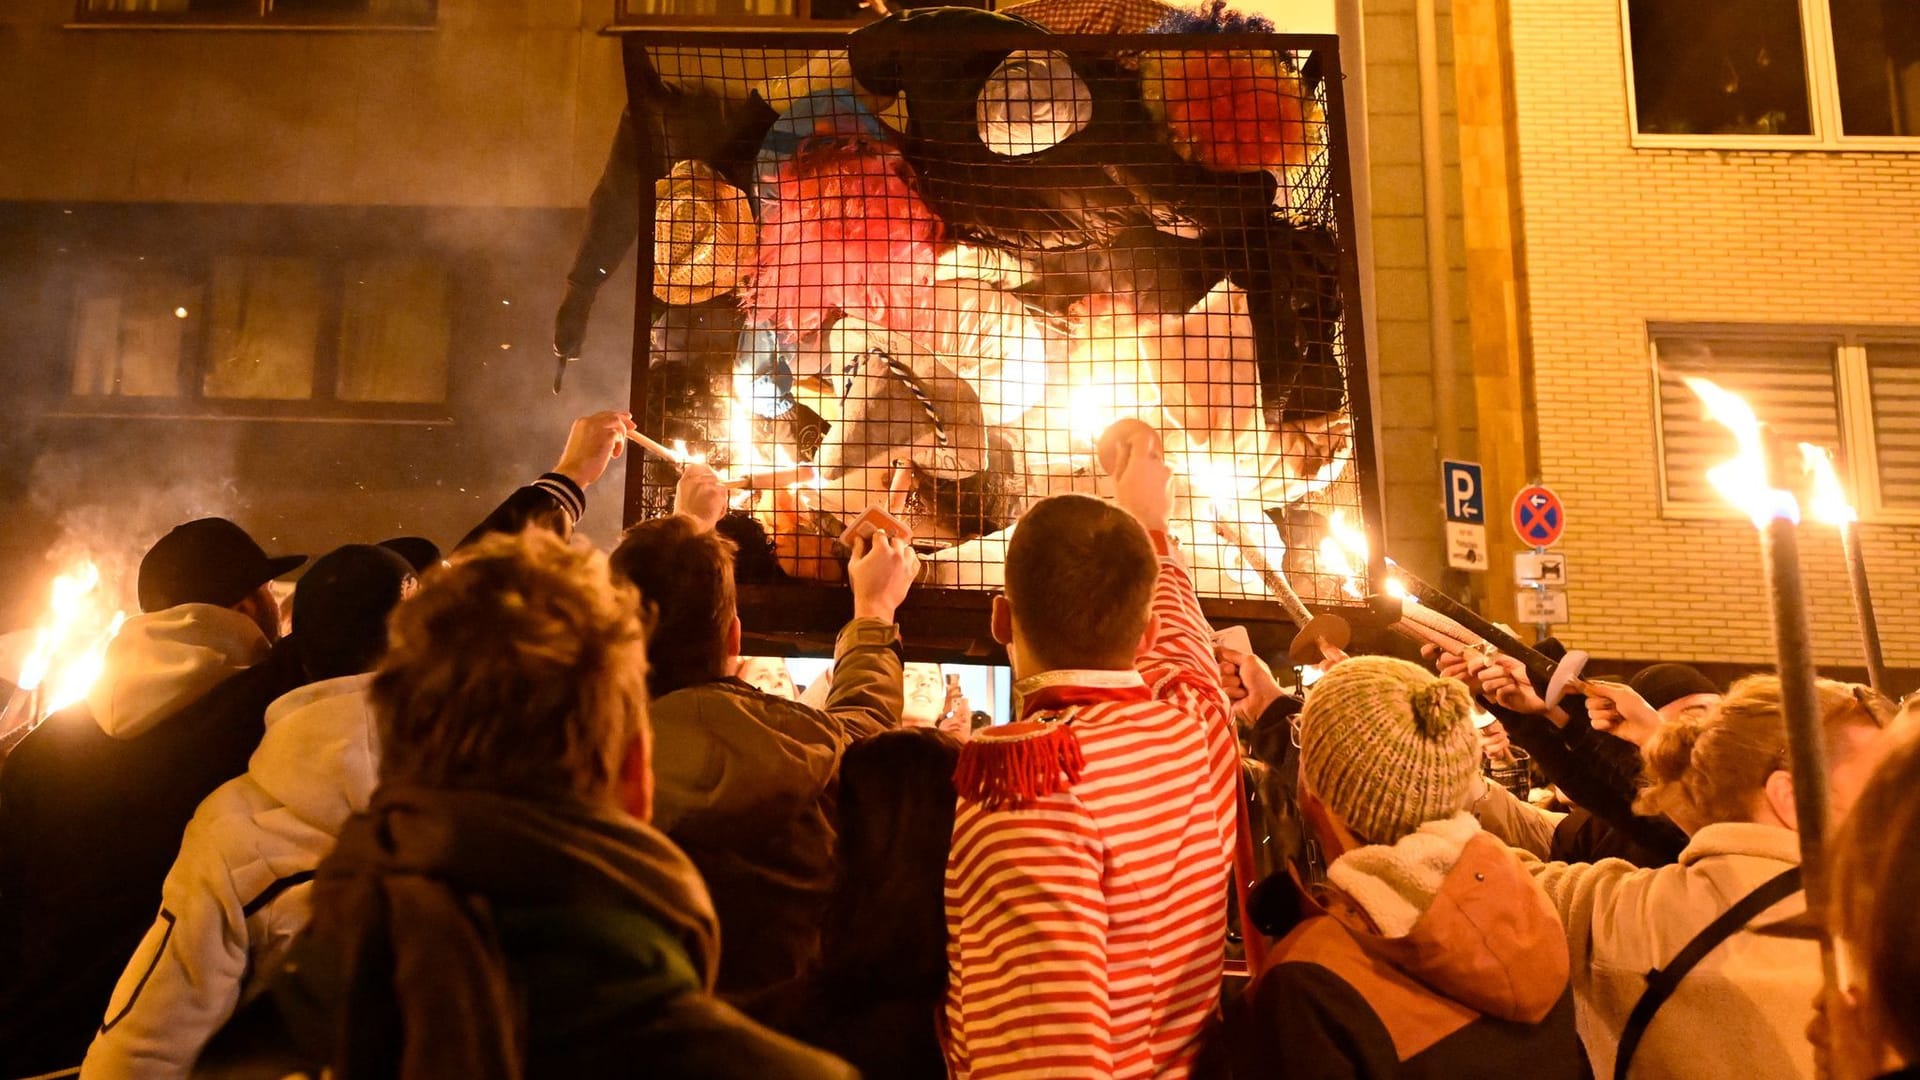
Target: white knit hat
1031,102
1388,747
703,234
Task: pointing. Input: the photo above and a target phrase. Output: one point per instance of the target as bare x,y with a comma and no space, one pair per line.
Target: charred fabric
934,257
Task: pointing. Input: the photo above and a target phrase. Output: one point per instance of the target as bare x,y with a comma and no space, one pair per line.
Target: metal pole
1800,704
1863,606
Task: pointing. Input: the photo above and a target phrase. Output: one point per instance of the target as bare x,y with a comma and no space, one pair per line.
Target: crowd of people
513,812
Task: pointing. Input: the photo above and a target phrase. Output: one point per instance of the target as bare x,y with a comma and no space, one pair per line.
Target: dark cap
340,609
209,561
421,553
1663,684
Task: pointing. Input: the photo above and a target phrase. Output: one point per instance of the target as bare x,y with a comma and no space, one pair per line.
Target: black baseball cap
1663,684
209,561
340,609
421,553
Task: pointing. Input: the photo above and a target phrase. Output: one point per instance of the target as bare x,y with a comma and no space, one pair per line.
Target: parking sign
1466,496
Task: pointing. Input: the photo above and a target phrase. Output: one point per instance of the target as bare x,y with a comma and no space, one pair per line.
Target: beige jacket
1742,1014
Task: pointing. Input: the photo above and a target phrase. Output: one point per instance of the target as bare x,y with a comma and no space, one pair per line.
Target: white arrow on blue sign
1466,496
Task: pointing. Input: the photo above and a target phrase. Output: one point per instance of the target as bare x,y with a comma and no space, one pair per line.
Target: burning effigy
924,264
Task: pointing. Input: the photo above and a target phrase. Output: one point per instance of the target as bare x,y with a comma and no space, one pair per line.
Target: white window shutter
1789,382
1894,375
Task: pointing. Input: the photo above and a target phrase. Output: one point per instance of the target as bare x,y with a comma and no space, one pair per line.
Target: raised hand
592,444
882,569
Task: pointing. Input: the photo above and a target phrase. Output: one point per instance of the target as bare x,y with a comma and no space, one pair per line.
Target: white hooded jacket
239,891
163,661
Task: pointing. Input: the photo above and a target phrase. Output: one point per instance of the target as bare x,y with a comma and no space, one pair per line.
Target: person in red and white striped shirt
1087,882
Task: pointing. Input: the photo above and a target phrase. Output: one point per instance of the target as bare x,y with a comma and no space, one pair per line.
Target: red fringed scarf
1019,764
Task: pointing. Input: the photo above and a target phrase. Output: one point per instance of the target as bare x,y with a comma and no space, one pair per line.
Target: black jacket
1599,772
89,826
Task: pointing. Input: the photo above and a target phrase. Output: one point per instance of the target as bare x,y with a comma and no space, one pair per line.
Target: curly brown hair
518,668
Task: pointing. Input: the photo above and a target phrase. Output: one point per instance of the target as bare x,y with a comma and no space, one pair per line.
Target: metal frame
1853,401
1823,100
951,624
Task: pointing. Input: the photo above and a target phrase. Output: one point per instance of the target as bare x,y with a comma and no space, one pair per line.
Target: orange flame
1829,505
1742,480
69,648
1343,553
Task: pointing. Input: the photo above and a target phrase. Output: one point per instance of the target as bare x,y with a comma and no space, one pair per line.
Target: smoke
113,517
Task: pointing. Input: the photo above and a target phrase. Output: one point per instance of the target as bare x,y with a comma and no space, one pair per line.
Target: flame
76,612
1397,589
81,670
68,604
1343,553
1829,505
1742,480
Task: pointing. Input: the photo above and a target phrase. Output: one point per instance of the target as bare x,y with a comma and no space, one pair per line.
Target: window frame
264,19
625,18
192,401
1859,466
1823,100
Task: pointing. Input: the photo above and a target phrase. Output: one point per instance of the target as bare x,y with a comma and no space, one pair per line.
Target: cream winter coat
163,661
238,893
1742,1014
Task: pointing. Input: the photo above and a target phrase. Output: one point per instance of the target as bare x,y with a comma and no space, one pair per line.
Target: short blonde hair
519,668
1707,767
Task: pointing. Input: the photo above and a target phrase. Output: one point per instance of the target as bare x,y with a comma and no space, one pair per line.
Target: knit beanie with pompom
1388,747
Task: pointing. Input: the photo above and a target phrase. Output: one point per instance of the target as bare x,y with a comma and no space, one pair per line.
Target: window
249,334
749,12
1857,393
1773,73
256,13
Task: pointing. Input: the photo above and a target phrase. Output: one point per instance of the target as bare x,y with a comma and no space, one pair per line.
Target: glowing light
1742,480
1397,589
179,313
82,670
75,613
1829,505
1343,553
68,604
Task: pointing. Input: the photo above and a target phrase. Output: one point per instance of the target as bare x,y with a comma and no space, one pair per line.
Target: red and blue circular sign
1539,516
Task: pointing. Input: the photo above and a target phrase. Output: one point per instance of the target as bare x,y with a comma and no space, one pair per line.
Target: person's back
238,891
495,912
1742,1012
93,801
1087,884
877,991
743,778
1428,952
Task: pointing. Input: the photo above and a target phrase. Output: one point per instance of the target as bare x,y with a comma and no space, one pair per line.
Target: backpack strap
1662,982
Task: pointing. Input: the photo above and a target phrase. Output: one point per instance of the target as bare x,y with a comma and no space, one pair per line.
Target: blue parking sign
1465,495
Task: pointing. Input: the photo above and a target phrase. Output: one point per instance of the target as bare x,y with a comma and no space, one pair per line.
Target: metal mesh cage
923,265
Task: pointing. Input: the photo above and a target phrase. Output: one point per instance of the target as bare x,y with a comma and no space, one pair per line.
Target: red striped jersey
1087,929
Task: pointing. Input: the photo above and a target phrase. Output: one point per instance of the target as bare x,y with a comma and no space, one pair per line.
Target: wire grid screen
918,272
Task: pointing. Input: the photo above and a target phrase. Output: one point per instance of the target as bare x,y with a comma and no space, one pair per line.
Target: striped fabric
1086,933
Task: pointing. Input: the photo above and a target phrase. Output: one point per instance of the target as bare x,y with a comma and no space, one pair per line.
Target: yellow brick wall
1408,451
1618,237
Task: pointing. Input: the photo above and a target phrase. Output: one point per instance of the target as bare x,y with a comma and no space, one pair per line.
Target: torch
1557,677
1749,482
1831,507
